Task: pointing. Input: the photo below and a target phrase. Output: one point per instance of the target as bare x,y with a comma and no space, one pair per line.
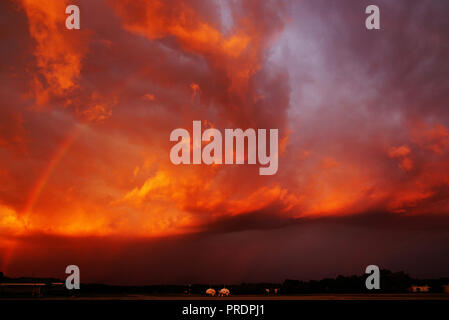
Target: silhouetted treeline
390,282
195,289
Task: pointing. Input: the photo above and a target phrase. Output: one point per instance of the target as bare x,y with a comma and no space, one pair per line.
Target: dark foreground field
314,306
353,297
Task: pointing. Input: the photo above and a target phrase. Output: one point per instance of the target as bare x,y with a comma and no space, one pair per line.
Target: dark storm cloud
86,116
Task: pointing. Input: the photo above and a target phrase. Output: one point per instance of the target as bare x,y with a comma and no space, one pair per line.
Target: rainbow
47,172
36,191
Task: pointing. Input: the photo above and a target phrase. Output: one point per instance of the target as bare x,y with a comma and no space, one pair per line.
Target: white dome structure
224,292
210,292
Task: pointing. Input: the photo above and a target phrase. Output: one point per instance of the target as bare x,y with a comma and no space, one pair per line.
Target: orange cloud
10,222
401,153
195,89
237,54
58,51
148,97
433,137
13,135
398,152
97,112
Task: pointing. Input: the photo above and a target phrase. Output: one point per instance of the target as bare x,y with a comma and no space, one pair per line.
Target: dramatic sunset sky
86,115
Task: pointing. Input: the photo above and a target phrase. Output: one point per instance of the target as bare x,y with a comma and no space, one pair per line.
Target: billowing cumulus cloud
58,52
86,117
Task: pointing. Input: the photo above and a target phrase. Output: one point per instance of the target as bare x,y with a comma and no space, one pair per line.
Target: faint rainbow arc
38,187
47,172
